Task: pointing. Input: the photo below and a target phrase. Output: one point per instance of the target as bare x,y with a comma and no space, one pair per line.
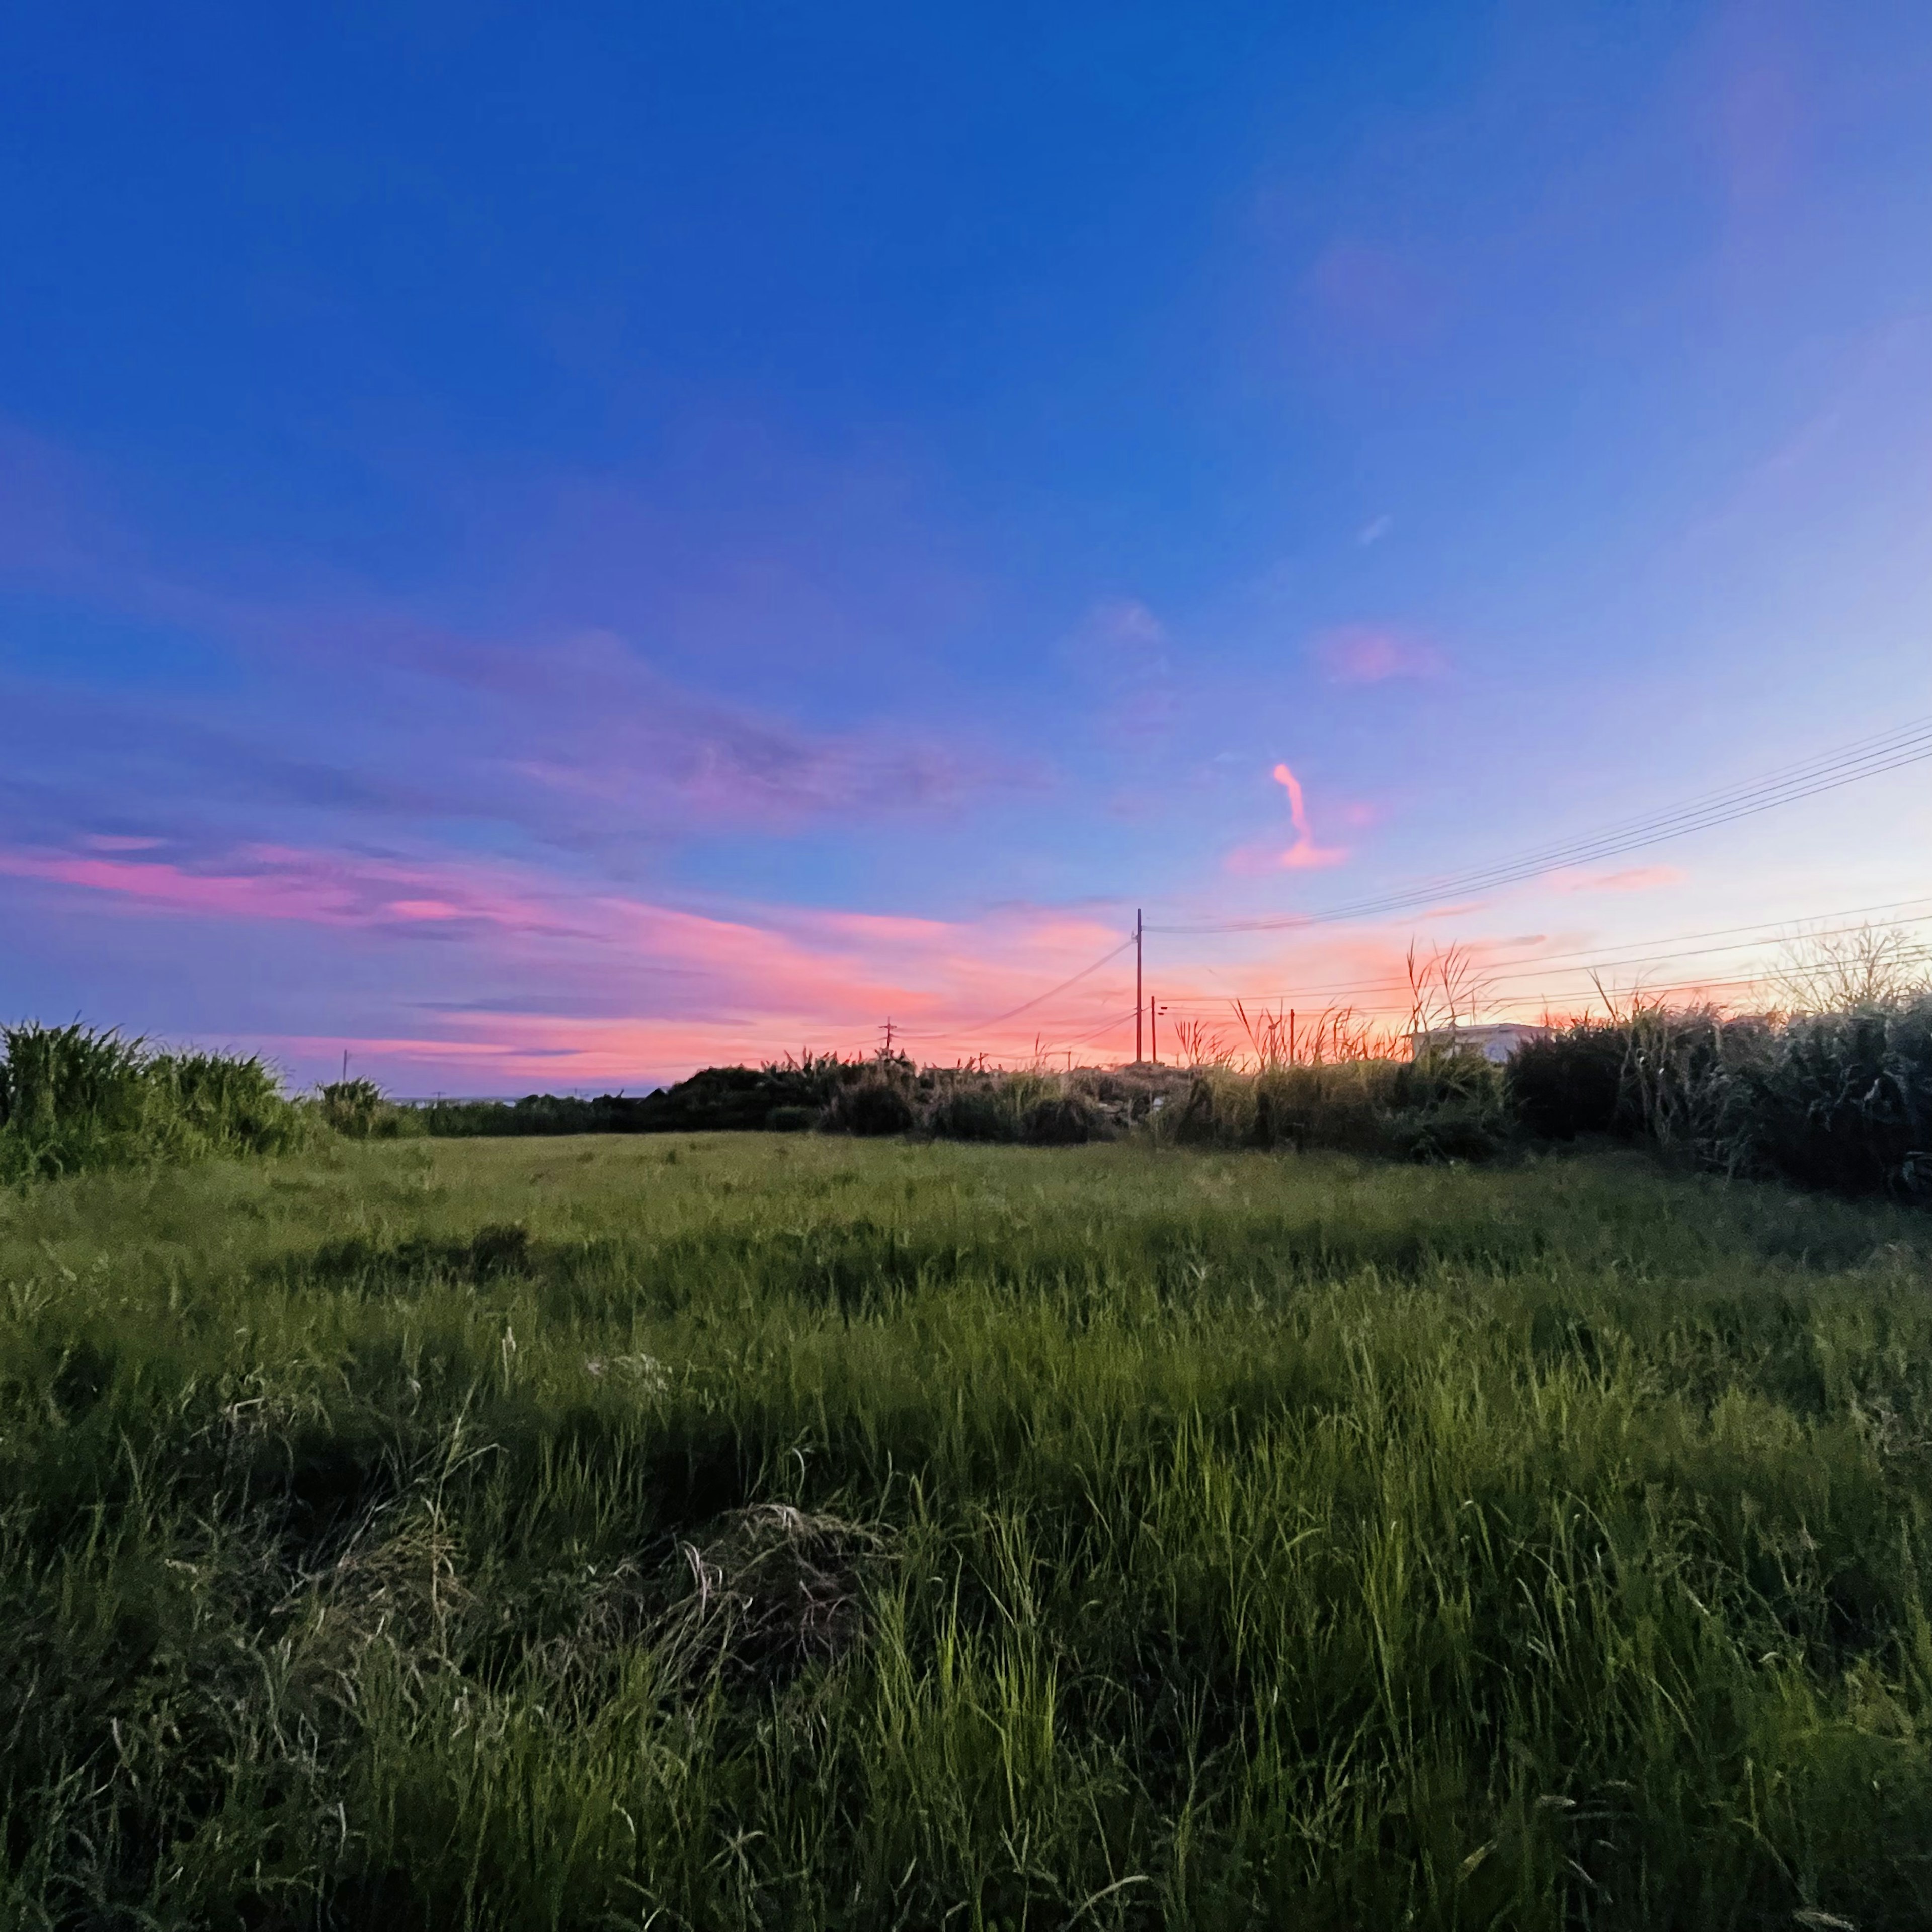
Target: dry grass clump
395,1582
775,1589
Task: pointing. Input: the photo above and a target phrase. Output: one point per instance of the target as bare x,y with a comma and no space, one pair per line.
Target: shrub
359,1109
876,1104
1841,1101
70,1096
1572,1082
1447,1104
1219,1110
1335,1105
975,1112
1061,1120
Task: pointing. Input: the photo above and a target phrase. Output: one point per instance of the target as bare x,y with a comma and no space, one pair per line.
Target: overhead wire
1025,1006
1891,751
1591,959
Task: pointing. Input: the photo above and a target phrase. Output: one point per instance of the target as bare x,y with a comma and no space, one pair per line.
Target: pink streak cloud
1304,854
1373,654
758,982
1631,879
268,882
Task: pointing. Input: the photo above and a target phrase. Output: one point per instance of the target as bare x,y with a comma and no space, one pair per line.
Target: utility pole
889,1039
1154,1032
1137,985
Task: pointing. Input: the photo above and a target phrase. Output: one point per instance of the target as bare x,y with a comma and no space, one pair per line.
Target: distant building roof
1496,1041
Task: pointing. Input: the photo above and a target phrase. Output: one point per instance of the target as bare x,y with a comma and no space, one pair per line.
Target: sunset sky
546,547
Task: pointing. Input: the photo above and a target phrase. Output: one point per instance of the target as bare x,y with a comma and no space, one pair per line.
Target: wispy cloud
1122,647
1374,653
1631,879
1304,854
619,985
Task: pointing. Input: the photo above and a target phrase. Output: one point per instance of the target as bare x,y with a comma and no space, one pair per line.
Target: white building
1495,1042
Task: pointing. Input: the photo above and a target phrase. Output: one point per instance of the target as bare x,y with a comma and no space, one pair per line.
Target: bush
1841,1101
1062,1120
359,1109
876,1104
234,1102
1339,1106
1446,1106
975,1112
1572,1083
784,1095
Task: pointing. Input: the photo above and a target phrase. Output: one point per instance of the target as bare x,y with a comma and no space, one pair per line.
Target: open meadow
787,1531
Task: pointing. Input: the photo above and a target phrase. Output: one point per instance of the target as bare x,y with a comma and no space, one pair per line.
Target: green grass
76,1098
393,1536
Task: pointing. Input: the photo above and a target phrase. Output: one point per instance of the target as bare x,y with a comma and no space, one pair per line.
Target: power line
1025,1006
1593,958
1119,1021
1609,958
1886,752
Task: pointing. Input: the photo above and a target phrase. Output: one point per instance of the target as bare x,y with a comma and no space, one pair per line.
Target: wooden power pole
1138,1003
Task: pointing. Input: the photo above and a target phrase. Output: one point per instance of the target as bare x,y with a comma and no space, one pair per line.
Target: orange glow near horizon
757,982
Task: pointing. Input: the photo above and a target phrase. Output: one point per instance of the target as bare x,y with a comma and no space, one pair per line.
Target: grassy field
785,1531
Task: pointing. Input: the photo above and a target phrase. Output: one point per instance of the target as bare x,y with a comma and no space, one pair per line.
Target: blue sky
547,546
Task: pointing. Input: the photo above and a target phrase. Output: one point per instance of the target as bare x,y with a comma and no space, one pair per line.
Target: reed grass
76,1098
755,1530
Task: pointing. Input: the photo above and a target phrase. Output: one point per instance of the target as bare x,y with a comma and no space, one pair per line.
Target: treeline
885,1094
1840,1100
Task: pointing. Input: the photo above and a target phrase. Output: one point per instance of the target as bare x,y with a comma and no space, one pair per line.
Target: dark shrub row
1448,1106
1837,1100
886,1094
1841,1101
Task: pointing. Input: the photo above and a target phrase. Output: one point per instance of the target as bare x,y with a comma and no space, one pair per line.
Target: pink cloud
277,883
725,987
628,992
1372,654
1631,879
1304,854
